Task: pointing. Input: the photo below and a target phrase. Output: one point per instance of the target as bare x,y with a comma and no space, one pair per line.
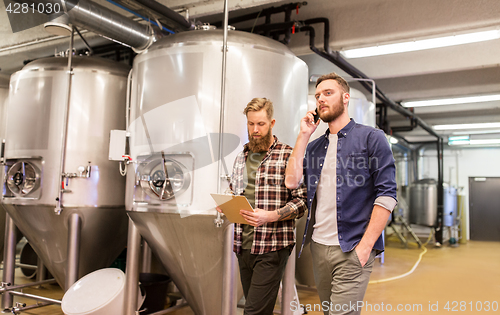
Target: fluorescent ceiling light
451,101
422,44
485,141
464,140
466,126
475,132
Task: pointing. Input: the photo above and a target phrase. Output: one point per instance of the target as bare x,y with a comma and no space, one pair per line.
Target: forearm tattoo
286,213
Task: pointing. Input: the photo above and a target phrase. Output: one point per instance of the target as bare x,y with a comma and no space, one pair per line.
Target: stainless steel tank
175,120
423,202
93,186
402,169
450,205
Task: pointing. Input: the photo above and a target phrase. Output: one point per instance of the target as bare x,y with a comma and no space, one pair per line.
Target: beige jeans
340,279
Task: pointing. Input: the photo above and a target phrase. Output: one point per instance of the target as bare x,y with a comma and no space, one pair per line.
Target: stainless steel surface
27,285
450,206
35,297
229,297
146,256
9,262
37,98
74,238
176,113
402,169
105,22
423,202
41,270
191,250
103,236
132,272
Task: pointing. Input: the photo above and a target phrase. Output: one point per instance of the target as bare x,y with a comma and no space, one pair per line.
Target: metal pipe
34,306
262,13
218,221
103,21
132,271
170,309
91,52
140,16
36,297
173,16
288,288
222,94
229,300
64,134
146,256
74,237
440,192
108,23
26,266
374,87
9,259
41,270
27,285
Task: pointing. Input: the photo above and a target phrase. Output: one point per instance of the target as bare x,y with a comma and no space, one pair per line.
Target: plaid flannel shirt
270,194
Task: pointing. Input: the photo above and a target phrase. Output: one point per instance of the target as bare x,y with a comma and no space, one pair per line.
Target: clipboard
231,206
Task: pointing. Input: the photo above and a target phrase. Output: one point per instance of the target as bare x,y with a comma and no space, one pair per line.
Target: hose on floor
424,250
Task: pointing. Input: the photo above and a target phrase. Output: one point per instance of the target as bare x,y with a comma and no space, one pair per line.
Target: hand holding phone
316,115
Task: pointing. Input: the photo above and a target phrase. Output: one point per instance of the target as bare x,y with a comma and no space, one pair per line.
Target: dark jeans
260,277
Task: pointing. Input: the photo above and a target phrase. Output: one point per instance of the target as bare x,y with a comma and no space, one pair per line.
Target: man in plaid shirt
264,245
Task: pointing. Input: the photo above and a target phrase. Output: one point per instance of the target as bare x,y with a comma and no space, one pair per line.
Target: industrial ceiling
468,69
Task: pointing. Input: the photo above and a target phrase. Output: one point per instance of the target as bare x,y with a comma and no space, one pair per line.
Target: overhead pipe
340,62
263,13
166,12
105,22
140,16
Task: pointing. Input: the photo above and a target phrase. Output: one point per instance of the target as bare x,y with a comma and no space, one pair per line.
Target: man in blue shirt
349,173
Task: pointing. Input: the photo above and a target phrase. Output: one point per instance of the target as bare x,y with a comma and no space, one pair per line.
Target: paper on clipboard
231,206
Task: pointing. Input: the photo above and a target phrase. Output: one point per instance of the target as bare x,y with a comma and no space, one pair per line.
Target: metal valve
16,309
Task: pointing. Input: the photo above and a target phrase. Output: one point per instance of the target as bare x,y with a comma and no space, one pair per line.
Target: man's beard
261,144
337,110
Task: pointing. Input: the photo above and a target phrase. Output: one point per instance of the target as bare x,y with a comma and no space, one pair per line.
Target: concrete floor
463,278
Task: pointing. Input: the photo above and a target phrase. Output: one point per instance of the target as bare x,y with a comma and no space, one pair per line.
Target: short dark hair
258,104
333,76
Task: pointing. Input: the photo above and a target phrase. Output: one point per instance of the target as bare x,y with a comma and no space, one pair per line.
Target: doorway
484,208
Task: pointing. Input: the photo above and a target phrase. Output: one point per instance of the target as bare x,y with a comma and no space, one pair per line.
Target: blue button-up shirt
365,171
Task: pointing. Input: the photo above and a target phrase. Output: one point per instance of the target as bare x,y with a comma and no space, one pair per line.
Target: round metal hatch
23,178
165,187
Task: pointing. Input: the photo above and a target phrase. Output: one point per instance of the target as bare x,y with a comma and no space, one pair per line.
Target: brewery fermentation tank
423,202
176,133
93,186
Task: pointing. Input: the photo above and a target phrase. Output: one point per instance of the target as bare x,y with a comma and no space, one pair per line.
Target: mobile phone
316,115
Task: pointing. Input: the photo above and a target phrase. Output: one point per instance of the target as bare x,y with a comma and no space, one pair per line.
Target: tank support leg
9,260
146,257
228,274
74,237
132,269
